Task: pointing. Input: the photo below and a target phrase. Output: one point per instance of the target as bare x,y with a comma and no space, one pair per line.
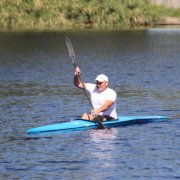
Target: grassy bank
63,14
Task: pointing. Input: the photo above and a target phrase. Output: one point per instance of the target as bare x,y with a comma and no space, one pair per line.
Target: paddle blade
71,51
98,122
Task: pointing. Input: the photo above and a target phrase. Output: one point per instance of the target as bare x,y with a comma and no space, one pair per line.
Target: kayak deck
79,124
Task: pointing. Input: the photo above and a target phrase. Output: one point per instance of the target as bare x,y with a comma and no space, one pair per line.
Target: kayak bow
80,124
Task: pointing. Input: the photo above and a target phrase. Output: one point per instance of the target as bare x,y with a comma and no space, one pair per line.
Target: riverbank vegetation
67,14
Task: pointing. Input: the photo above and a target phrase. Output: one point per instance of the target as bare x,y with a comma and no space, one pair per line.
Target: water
36,88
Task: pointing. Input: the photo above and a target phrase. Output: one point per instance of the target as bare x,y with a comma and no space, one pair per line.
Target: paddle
73,58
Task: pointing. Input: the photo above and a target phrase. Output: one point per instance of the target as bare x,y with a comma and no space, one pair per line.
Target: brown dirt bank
169,21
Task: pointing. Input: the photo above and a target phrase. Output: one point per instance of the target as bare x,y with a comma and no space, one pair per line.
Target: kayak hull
80,124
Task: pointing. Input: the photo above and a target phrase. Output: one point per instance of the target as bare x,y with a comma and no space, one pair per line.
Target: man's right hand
77,71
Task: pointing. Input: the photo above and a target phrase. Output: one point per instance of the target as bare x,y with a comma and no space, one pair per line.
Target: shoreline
167,23
158,25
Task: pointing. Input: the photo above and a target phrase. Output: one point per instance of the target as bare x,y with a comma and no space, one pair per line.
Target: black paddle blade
100,126
98,122
71,51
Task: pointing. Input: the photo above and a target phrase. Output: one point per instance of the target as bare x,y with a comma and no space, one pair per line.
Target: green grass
63,14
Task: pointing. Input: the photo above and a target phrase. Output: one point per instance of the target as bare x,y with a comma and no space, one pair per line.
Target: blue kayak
81,124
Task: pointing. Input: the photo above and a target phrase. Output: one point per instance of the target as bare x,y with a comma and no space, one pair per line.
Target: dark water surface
36,89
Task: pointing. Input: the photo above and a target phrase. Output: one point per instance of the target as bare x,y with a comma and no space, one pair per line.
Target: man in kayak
102,97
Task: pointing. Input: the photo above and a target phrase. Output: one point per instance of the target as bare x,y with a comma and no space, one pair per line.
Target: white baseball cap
101,78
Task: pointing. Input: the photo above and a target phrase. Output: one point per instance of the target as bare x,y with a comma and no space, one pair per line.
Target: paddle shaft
73,58
84,87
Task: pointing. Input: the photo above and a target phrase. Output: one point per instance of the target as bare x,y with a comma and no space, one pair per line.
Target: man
102,97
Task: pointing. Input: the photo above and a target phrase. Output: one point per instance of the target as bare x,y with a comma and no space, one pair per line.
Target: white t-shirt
98,99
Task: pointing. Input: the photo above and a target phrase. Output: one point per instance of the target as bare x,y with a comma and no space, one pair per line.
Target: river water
36,88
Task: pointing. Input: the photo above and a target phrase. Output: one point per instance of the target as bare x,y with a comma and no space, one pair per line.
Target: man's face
101,86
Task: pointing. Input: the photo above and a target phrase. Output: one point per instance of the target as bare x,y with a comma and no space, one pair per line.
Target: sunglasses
98,83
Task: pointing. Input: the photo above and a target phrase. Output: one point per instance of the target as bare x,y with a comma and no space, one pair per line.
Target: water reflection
98,136
104,143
